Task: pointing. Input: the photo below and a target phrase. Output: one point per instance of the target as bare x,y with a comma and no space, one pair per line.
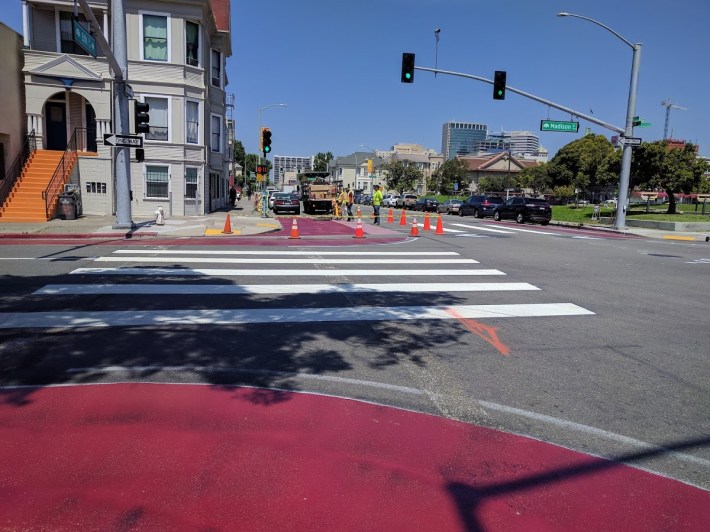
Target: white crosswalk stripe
337,266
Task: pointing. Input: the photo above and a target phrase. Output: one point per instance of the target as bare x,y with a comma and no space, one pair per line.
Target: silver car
450,206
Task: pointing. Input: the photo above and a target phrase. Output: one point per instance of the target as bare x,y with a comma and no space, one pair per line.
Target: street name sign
631,141
130,141
556,125
83,38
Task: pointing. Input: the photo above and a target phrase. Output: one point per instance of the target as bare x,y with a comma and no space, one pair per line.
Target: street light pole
374,154
629,127
264,199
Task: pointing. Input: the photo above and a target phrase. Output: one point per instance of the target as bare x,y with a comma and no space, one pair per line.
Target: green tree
240,154
492,184
401,176
584,163
535,178
656,166
452,171
321,160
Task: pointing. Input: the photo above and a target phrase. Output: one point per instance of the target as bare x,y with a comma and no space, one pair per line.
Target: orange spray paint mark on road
485,332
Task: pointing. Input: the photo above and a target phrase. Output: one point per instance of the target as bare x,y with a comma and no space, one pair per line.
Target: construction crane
669,105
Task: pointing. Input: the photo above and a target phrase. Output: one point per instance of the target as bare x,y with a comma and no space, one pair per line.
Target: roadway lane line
133,318
481,228
578,427
289,253
311,260
230,289
277,273
211,369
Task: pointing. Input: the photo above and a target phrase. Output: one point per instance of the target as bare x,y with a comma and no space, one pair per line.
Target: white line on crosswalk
481,228
285,252
311,260
535,231
132,318
221,289
279,272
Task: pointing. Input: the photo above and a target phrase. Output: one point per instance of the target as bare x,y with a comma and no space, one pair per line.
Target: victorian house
177,52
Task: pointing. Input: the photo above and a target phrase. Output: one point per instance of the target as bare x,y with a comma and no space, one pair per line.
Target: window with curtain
156,181
192,43
190,182
216,130
158,113
216,68
192,122
155,38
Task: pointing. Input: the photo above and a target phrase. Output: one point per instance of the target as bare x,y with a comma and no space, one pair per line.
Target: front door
56,119
90,129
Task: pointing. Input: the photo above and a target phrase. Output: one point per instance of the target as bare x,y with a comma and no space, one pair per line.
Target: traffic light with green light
499,85
266,140
407,68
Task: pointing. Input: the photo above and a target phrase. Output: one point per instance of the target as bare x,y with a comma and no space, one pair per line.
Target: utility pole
118,62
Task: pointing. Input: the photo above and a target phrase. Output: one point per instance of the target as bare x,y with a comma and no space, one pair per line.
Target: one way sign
130,141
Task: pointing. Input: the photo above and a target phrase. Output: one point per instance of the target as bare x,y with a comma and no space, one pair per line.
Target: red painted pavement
182,457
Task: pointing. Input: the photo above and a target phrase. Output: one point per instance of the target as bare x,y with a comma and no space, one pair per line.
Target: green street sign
556,125
83,38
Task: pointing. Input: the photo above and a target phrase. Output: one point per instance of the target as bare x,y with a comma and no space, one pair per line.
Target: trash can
67,206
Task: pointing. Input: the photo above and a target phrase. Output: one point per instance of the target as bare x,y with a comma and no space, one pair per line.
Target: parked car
286,202
480,205
426,204
366,199
390,200
450,206
524,210
406,201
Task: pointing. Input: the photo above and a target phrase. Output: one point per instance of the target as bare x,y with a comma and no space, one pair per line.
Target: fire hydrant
159,216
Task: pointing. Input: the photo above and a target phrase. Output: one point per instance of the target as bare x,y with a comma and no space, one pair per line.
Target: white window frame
200,51
221,68
199,121
170,115
169,35
197,183
145,182
221,133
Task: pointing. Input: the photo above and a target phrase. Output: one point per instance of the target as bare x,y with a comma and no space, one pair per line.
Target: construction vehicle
317,194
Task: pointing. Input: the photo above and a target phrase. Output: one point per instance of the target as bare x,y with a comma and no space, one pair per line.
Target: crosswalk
170,272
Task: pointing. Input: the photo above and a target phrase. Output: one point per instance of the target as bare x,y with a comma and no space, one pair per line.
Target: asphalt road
624,376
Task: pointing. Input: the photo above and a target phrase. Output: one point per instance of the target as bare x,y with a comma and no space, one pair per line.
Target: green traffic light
408,75
267,149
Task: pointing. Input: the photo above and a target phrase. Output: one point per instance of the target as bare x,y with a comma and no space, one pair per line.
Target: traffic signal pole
117,59
549,103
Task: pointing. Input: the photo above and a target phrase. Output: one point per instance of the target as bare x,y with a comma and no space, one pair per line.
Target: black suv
480,205
524,210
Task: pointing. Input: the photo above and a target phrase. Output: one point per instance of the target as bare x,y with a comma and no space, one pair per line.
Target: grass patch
583,214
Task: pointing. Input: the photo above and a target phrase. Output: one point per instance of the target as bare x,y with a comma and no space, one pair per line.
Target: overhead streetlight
629,127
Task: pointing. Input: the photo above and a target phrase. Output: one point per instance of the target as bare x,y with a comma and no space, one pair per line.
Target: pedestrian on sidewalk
377,203
232,196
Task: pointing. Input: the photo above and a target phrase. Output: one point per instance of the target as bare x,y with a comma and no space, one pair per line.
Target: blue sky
336,64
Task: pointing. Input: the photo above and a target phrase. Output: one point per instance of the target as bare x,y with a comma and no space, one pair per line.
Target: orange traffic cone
415,229
403,219
359,233
227,226
427,223
390,217
294,229
439,226
358,212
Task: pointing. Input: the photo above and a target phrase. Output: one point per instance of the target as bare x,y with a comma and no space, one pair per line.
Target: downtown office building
462,138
